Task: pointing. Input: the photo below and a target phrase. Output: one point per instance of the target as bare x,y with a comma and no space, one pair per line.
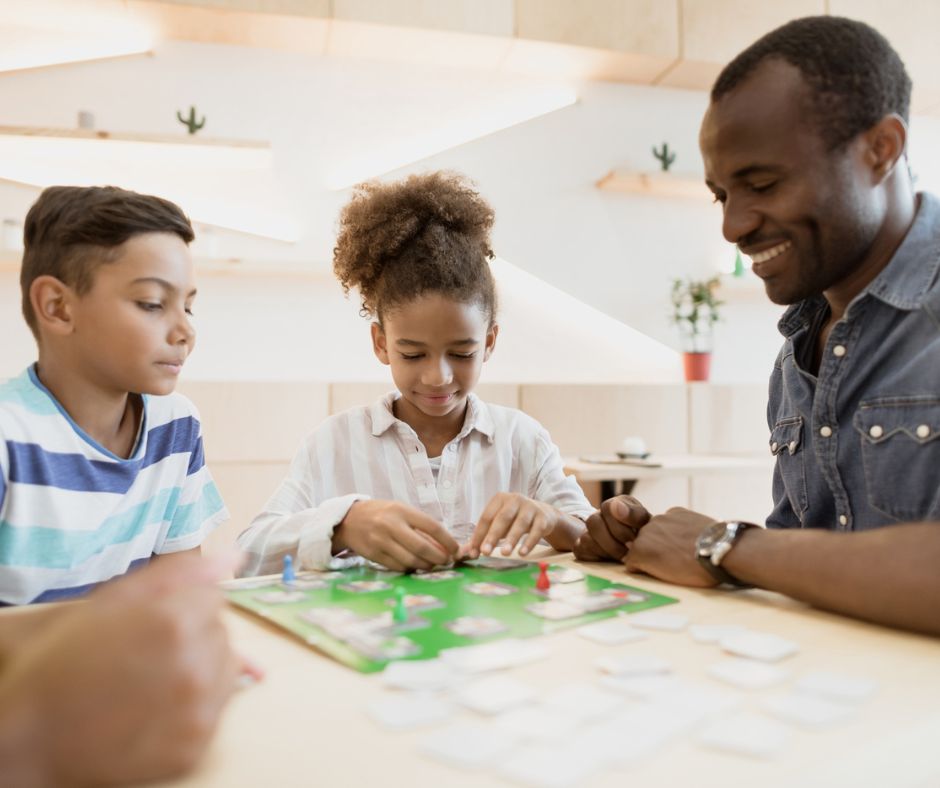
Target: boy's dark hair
426,234
854,75
71,230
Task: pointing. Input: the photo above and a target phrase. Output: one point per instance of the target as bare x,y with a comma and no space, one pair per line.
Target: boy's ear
51,300
490,345
379,345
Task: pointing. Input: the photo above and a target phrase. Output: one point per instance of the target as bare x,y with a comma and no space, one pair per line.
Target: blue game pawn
288,575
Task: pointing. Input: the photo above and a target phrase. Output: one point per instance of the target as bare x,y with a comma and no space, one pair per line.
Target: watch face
711,536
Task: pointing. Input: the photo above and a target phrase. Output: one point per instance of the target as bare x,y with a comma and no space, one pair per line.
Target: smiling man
804,148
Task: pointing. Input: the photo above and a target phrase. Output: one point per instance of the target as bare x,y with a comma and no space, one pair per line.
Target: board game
366,617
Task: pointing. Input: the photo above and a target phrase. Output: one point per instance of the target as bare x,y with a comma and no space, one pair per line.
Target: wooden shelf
159,139
658,184
11,260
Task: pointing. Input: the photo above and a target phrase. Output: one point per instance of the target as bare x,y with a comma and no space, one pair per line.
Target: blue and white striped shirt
73,514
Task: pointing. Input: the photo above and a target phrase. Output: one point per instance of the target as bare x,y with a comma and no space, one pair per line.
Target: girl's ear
490,342
379,346
51,300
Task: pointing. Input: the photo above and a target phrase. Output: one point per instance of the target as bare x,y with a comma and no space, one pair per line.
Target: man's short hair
71,230
853,73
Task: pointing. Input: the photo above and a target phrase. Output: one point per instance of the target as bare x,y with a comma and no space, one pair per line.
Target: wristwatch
714,543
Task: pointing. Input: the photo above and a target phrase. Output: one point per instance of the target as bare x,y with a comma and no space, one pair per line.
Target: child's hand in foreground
395,535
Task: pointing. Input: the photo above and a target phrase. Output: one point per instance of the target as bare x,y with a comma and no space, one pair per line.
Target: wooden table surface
306,723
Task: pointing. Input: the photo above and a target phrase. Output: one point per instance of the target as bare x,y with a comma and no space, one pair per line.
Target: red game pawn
542,583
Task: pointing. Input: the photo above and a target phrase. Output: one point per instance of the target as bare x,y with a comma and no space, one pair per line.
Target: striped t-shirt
368,453
73,514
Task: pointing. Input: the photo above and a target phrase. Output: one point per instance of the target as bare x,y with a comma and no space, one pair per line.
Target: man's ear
52,300
490,343
379,343
886,142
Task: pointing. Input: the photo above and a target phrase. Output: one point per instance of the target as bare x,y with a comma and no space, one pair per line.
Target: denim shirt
858,447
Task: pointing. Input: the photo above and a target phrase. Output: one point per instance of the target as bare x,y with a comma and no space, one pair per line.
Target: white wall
616,253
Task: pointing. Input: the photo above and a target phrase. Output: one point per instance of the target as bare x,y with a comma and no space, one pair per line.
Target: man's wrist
715,543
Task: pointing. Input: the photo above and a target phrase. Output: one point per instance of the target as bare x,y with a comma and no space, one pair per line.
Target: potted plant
695,312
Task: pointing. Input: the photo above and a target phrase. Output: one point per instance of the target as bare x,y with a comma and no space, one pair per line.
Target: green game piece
400,612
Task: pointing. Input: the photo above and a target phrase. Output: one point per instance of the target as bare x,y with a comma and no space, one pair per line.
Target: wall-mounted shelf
158,139
10,261
659,184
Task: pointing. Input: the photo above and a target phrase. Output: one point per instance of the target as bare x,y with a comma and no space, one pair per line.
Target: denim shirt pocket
786,444
900,442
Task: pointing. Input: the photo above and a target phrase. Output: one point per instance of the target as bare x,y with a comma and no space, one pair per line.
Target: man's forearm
889,575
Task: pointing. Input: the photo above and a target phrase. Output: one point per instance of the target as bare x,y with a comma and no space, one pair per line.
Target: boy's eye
189,311
463,356
763,187
412,356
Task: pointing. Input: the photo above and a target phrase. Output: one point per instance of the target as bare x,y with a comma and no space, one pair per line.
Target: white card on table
468,745
655,619
420,675
746,673
746,734
582,701
611,632
493,694
807,710
497,655
632,664
403,712
545,766
759,645
642,686
713,633
536,723
835,686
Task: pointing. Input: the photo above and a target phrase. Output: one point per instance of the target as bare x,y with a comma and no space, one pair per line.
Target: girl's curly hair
429,233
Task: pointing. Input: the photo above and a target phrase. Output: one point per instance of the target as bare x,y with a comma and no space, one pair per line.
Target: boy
101,465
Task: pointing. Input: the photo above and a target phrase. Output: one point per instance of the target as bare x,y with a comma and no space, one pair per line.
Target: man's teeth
770,254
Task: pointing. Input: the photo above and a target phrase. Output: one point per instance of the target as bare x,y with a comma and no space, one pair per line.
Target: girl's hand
395,535
510,517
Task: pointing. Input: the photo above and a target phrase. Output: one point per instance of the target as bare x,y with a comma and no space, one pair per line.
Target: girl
401,481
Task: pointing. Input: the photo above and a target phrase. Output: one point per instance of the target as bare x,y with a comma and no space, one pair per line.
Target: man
804,147
125,687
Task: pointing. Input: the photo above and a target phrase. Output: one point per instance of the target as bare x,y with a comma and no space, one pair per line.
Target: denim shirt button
838,351
876,431
825,431
843,520
923,431
774,446
791,447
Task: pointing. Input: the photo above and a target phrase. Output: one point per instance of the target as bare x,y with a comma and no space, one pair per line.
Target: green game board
359,630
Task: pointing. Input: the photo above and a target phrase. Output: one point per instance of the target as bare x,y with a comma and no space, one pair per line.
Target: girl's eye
189,311
463,356
413,357
149,306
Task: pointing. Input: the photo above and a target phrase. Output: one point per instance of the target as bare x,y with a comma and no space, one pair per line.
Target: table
619,477
306,723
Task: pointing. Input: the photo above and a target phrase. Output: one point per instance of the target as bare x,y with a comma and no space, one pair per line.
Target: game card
418,602
475,626
490,589
591,603
436,576
307,584
280,597
496,562
364,586
554,610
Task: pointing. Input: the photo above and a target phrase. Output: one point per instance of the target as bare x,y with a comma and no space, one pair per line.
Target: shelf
657,184
11,260
155,139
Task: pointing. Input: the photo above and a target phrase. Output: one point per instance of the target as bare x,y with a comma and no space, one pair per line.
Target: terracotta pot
697,365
